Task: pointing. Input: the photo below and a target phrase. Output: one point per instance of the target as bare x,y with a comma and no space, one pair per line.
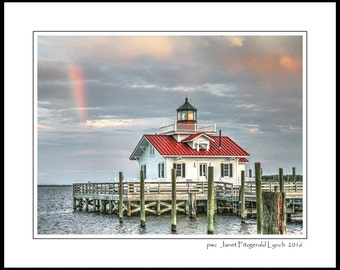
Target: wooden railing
152,187
289,187
222,189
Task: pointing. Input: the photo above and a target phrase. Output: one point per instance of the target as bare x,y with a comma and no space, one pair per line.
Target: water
56,217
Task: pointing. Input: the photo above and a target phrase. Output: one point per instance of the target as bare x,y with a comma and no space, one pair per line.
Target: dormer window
199,141
202,146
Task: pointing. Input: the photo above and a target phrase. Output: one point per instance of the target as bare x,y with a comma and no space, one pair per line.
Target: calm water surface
56,216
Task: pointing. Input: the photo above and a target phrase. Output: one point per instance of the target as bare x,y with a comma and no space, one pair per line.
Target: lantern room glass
191,116
186,116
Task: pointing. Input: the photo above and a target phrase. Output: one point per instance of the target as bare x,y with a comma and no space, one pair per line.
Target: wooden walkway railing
159,194
222,189
292,189
151,187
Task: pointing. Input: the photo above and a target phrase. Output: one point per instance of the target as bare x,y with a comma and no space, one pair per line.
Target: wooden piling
259,205
283,226
282,205
274,221
158,207
86,204
210,202
129,210
102,206
282,186
294,178
192,205
98,205
250,175
120,205
142,200
110,206
94,205
243,196
173,201
80,203
74,203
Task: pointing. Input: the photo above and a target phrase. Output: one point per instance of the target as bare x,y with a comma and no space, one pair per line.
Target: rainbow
79,91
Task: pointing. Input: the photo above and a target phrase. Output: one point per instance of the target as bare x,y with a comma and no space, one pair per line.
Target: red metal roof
243,160
166,145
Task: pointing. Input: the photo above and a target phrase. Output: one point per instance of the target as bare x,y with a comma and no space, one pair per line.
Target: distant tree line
55,185
285,177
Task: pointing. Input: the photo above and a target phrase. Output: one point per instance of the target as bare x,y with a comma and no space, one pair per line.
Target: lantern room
186,113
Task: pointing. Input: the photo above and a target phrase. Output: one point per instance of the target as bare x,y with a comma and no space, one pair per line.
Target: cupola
186,113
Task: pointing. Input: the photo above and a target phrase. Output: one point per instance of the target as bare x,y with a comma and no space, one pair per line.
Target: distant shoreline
42,185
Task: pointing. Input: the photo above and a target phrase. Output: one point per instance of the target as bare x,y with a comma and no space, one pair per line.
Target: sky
98,93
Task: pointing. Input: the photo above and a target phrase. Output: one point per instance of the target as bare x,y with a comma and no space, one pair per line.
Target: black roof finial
186,106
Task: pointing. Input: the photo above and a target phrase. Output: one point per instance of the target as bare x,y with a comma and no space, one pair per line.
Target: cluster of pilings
270,205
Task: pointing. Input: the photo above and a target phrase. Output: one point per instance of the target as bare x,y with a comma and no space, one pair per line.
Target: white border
23,18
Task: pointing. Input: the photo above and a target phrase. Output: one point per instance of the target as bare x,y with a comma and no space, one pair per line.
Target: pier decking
158,196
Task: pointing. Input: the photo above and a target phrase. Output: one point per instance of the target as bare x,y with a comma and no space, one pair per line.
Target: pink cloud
236,41
290,63
273,64
129,47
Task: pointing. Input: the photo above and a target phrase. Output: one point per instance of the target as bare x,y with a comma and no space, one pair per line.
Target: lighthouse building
189,148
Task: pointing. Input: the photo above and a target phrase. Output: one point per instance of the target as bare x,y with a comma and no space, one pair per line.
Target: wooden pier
106,197
157,196
293,191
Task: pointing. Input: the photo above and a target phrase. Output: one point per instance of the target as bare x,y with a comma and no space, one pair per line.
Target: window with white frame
179,169
202,145
226,169
203,169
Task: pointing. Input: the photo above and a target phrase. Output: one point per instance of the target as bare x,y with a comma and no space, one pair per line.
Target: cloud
157,47
105,48
102,123
290,63
130,47
254,129
236,41
271,63
247,106
266,64
218,89
44,127
290,128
